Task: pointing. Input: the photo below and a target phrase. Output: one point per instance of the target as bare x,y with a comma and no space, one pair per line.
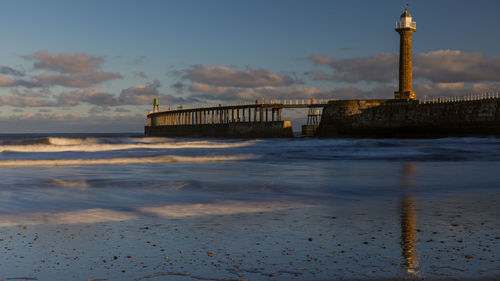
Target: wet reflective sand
290,213
279,239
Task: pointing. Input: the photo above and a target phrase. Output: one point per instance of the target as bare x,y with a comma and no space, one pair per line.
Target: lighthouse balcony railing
412,25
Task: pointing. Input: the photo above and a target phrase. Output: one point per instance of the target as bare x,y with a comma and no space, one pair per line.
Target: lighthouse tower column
405,27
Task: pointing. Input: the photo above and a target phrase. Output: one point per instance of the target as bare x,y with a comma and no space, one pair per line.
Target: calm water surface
125,207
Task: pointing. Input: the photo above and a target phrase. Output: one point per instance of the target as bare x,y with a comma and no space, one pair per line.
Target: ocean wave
125,160
95,145
50,141
150,140
77,184
72,141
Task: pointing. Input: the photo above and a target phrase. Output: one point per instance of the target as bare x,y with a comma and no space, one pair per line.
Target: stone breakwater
396,118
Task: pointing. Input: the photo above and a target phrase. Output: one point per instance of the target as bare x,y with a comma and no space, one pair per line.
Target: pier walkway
268,111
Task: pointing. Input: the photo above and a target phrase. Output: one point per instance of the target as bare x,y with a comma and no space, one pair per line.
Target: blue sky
95,66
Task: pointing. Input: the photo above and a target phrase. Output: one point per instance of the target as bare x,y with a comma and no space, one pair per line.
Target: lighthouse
405,27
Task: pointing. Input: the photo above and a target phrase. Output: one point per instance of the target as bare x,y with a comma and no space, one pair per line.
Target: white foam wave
151,140
71,141
77,184
125,160
92,145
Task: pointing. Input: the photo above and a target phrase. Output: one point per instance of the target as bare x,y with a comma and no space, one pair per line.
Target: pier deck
224,114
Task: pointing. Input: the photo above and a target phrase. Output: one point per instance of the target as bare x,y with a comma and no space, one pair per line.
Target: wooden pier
224,114
235,120
216,115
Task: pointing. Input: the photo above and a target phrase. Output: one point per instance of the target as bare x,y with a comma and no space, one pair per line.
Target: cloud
213,90
27,98
209,92
140,94
98,110
379,68
91,95
485,87
442,66
122,110
178,85
319,59
141,74
225,83
27,83
227,77
426,90
450,66
143,94
10,71
318,75
66,63
5,81
75,71
436,73
45,92
24,101
80,80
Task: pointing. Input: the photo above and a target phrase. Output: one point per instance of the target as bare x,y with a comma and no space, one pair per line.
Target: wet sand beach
292,212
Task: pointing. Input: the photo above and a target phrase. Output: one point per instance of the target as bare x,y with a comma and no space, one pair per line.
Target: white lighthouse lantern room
405,21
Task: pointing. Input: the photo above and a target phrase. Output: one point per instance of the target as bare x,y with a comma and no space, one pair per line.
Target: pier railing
285,102
469,97
301,103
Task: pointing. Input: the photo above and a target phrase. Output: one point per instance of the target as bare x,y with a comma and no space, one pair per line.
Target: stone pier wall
271,129
393,118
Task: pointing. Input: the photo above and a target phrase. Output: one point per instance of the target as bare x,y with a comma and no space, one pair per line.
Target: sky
96,66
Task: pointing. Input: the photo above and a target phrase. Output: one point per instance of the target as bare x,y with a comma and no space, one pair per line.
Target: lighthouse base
408,95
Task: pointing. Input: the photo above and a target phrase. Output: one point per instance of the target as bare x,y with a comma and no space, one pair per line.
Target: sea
129,207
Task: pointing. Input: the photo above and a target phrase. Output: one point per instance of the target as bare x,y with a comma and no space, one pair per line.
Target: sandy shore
383,239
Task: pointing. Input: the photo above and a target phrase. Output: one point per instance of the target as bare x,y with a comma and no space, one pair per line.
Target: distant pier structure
259,119
405,27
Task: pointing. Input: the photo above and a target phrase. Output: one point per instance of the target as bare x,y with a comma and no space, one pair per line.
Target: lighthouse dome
406,21
405,14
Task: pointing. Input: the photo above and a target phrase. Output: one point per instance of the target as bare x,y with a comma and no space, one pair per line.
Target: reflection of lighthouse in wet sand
409,234
408,215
